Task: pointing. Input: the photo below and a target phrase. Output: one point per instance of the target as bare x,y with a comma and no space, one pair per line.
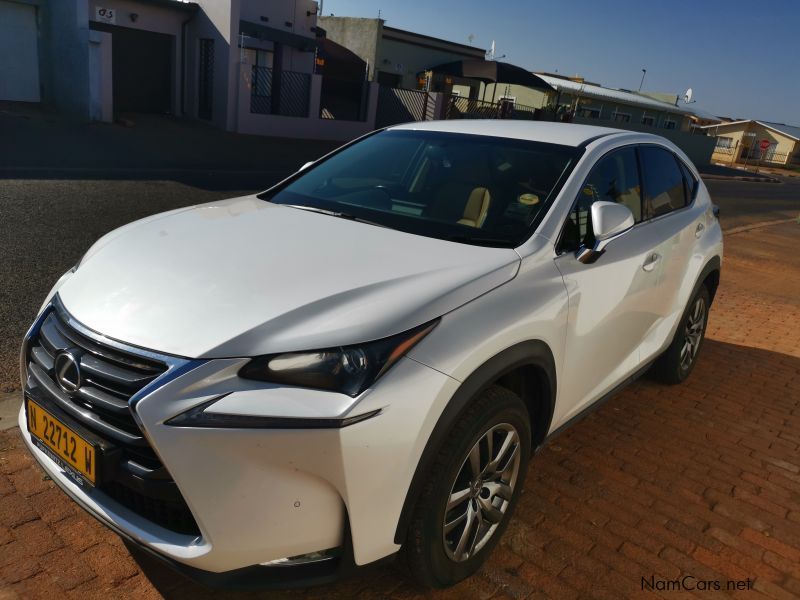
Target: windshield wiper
335,213
480,241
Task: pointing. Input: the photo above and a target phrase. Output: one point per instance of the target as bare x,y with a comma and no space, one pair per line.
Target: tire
436,558
678,361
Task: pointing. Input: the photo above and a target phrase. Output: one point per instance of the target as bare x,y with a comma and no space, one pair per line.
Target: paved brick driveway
661,482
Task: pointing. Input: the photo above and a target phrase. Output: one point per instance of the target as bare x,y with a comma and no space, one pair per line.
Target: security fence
283,93
749,154
397,105
468,108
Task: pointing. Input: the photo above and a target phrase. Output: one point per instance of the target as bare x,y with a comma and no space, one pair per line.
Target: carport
491,71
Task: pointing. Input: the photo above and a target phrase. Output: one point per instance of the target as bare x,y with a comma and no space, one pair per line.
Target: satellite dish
687,97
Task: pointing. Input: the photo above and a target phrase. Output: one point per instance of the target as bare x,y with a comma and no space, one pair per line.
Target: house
741,141
243,65
395,58
590,102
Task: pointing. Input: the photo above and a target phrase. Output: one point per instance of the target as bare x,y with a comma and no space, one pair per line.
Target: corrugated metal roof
790,130
589,90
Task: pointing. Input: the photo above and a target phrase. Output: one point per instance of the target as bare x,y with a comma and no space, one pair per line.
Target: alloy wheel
481,492
693,332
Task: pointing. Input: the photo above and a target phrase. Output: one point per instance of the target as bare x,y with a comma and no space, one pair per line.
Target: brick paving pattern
661,482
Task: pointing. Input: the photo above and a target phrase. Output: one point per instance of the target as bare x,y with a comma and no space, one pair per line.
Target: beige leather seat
476,208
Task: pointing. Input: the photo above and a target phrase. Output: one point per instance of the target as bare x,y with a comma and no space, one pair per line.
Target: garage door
19,57
141,64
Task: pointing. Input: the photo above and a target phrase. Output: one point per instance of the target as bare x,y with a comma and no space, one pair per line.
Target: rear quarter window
690,181
664,183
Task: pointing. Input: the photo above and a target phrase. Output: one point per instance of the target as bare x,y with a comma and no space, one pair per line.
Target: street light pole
641,83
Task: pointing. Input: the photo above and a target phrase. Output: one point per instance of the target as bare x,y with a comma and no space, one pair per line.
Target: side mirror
305,166
609,221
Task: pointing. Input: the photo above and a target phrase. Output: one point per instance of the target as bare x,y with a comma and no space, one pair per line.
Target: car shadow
636,464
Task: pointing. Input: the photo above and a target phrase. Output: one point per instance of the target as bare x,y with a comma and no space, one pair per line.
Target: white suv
362,359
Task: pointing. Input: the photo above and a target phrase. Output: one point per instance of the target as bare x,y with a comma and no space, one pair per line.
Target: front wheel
471,490
677,362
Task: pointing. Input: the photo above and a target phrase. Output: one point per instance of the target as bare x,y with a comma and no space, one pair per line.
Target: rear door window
664,184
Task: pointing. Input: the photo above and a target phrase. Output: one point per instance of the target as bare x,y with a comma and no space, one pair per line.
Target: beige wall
360,36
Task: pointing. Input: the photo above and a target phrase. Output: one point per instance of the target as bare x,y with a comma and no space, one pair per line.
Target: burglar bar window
724,142
588,112
620,117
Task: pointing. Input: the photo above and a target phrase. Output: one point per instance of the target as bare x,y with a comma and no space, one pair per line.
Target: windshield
466,188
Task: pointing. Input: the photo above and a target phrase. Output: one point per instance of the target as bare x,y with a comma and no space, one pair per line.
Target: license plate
72,450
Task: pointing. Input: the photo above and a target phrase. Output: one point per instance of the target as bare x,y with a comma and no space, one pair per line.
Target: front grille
109,377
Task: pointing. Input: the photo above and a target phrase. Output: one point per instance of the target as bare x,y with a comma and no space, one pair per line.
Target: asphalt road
46,225
744,203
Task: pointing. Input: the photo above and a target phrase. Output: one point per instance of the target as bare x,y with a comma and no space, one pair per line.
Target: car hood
244,277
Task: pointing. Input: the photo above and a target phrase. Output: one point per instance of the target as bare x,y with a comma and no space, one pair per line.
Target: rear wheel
677,362
471,490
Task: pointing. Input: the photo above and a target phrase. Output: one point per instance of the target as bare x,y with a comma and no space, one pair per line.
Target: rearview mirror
609,221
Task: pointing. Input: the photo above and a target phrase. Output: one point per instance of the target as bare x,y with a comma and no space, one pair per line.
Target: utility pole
641,83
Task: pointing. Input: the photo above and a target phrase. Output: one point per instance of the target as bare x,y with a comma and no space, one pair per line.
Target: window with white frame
648,120
724,142
620,117
670,124
588,112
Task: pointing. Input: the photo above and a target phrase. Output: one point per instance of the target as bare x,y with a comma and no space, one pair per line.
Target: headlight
346,369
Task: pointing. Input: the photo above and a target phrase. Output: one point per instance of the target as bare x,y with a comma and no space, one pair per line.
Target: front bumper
167,551
258,495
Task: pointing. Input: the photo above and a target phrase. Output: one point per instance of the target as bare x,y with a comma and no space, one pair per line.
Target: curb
743,228
740,178
9,408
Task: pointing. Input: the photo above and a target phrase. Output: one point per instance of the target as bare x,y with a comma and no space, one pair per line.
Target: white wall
217,20
19,54
101,97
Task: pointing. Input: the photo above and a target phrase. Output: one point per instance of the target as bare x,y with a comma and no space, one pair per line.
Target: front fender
534,353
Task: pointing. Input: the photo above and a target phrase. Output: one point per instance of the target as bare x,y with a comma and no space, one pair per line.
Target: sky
741,58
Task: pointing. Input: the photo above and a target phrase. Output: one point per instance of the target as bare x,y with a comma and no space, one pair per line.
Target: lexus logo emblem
67,370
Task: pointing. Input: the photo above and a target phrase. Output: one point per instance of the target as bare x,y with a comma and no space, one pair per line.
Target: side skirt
594,405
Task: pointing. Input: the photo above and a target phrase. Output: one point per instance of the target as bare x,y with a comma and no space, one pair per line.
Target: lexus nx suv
360,361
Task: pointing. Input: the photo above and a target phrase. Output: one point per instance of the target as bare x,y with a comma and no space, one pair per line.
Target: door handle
699,230
651,261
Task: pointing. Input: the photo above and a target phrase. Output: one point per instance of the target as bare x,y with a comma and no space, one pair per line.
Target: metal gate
398,105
